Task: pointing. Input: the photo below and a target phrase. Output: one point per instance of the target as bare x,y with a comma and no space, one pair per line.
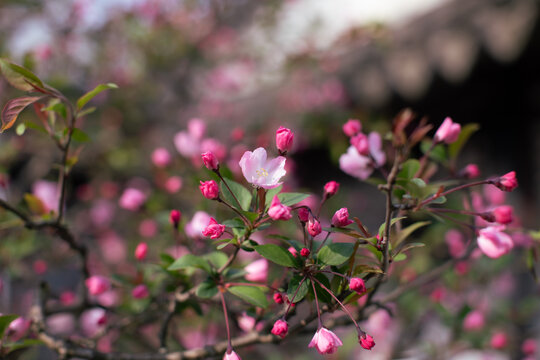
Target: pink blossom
210,160
92,321
493,242
280,328
474,321
173,184
132,199
499,340
361,166
61,324
284,139
97,284
341,218
304,252
248,323
186,144
503,214
507,182
278,298
293,251
40,267
331,188
471,171
314,227
113,247
47,192
197,128
352,127
448,132
455,242
529,347
161,157
325,341
140,292
366,341
262,172
18,328
102,213
213,230
357,285
360,142
174,218
198,223
231,356
148,228
303,214
140,251
67,298
278,211
214,146
257,271
209,189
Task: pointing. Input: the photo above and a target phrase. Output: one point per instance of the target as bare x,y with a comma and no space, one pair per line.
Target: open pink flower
325,341
132,199
361,166
262,172
257,271
494,242
198,223
47,192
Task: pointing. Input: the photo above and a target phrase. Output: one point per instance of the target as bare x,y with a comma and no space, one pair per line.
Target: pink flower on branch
280,328
278,211
325,341
261,172
352,127
341,218
366,341
448,132
213,230
284,139
494,242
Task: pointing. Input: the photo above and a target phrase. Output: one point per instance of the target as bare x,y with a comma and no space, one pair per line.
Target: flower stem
227,186
225,313
294,295
316,303
447,192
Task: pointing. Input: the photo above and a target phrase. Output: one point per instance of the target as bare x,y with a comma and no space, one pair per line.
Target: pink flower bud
507,182
303,214
148,228
341,218
474,321
280,328
161,157
503,214
67,298
366,341
97,284
18,328
499,340
132,199
174,218
456,243
140,292
140,251
352,127
361,143
92,321
278,211
314,227
493,242
40,267
448,132
209,189
331,188
304,252
284,139
529,347
471,171
325,341
357,285
257,271
231,356
213,230
293,251
210,160
173,184
278,298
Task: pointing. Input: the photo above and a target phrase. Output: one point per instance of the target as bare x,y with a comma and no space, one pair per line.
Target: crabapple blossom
284,139
140,292
471,171
18,328
499,340
257,271
132,199
278,298
366,341
303,214
140,251
278,211
474,321
232,355
503,214
448,132
352,127
507,182
304,252
361,166
341,218
161,157
174,217
314,227
260,171
213,230
97,284
47,192
173,184
210,160
357,285
209,189
325,341
198,223
494,242
280,328
331,188
360,142
92,321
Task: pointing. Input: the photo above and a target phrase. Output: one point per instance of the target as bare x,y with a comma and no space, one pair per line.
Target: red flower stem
447,192
335,273
317,304
335,298
294,295
227,186
229,345
244,219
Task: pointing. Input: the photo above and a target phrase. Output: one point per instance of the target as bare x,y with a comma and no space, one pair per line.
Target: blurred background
246,68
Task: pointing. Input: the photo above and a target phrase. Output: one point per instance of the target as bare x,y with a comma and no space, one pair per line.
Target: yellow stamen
262,172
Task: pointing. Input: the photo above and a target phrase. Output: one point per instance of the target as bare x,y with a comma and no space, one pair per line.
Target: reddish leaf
13,108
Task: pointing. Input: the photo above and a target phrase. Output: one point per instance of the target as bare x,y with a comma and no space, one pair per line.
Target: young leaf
405,233
276,254
35,204
5,320
335,254
19,77
83,100
216,258
207,289
241,193
289,199
302,291
13,108
80,136
252,294
408,169
392,222
190,260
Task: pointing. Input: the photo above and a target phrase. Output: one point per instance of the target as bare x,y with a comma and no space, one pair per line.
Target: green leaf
409,169
80,136
252,294
399,257
13,108
405,233
35,204
289,199
22,344
5,320
335,254
322,294
438,153
466,132
293,286
19,77
411,246
392,222
190,260
85,112
271,193
57,107
360,269
91,94
276,254
242,194
439,200
20,129
234,223
207,289
216,258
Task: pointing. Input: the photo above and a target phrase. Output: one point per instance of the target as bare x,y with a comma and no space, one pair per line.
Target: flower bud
325,341
209,189
97,284
278,298
140,251
341,218
352,127
331,188
257,271
494,242
278,211
18,328
366,341
280,328
499,340
303,214
357,285
284,139
140,292
314,227
213,230
528,347
470,171
174,218
474,321
507,182
361,143
231,356
448,132
293,251
161,157
304,252
503,214
210,160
